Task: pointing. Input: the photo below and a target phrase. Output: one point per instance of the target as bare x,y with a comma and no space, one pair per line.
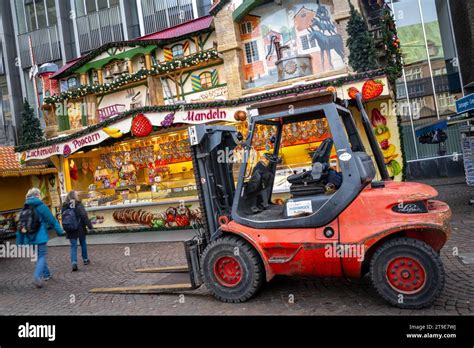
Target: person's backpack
29,222
70,219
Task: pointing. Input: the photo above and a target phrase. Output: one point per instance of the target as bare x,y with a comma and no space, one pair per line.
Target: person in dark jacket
40,239
73,202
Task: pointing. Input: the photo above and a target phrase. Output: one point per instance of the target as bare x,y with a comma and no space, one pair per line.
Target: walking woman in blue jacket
47,220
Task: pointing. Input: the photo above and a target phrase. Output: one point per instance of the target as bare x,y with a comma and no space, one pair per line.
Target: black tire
423,254
251,278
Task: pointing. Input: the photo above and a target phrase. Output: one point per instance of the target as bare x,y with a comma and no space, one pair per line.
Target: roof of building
10,166
66,66
194,25
182,29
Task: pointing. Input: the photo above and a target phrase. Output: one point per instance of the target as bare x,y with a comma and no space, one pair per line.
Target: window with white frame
38,14
251,52
414,73
446,100
84,7
246,28
72,82
308,43
440,71
304,42
178,51
206,80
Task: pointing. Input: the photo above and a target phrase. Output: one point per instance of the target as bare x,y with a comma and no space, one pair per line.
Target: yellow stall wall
13,191
388,133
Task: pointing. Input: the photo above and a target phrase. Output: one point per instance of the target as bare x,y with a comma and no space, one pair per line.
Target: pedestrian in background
75,221
35,220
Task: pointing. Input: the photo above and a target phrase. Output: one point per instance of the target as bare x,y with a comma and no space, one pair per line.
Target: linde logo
44,151
37,331
205,116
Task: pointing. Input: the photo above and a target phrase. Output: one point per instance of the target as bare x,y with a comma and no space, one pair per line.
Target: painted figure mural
288,40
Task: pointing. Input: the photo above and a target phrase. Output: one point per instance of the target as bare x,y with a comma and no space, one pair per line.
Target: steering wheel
272,158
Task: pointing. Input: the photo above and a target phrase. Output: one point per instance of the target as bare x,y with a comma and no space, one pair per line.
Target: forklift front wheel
407,273
232,269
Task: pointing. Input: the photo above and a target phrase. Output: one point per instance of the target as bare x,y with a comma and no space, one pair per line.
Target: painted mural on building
301,28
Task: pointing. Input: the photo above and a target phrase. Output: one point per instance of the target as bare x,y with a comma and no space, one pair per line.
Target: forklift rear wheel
232,269
408,273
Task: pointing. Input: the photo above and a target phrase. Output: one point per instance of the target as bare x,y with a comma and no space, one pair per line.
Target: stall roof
182,29
10,166
65,67
195,25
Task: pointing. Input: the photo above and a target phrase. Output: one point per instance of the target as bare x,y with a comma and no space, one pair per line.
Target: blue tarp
430,127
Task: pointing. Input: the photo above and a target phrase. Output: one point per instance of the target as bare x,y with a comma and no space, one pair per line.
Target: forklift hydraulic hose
372,141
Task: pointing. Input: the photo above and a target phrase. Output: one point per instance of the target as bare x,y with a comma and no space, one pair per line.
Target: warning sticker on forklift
297,208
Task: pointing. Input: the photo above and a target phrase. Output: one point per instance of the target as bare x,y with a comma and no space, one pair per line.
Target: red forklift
246,237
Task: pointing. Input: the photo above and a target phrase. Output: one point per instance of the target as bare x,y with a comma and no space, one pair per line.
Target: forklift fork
193,249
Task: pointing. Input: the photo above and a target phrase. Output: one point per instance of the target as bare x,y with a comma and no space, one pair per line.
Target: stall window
246,28
206,80
414,74
251,51
72,82
178,51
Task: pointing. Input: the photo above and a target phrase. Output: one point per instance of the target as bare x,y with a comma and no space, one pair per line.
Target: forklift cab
319,194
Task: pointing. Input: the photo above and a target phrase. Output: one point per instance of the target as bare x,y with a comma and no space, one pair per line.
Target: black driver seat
312,182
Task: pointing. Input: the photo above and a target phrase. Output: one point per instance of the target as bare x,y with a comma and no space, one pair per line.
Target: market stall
136,173
16,180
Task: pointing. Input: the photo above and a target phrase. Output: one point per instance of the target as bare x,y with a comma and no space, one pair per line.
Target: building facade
430,84
35,32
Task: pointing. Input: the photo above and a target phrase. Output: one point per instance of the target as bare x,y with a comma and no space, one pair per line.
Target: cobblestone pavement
67,293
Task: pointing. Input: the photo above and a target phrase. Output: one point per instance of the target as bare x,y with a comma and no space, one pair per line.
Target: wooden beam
168,269
148,61
196,43
144,289
176,84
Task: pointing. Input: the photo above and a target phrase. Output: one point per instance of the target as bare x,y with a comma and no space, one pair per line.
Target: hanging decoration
215,78
196,82
168,54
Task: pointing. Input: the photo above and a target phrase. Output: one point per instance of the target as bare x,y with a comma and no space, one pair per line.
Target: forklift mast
212,155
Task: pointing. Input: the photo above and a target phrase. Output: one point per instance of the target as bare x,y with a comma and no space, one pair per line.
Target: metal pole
372,141
428,58
407,94
33,64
